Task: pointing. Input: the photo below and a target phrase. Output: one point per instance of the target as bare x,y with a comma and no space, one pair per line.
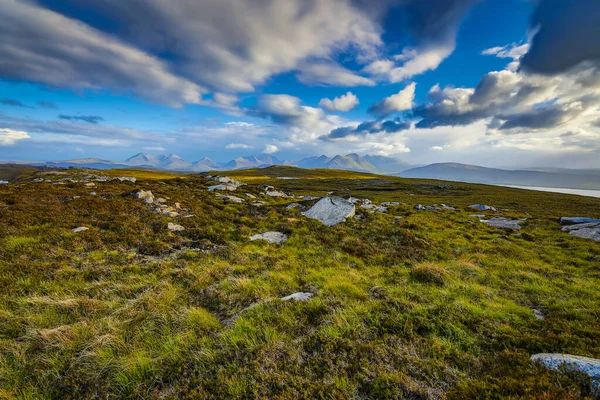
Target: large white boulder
331,210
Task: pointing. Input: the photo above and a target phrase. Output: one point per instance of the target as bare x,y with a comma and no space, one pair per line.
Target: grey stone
228,187
331,210
483,207
275,193
250,195
426,208
232,199
501,222
80,229
127,178
298,296
538,314
585,231
271,237
577,220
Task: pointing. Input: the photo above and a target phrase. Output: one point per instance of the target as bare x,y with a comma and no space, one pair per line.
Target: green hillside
406,303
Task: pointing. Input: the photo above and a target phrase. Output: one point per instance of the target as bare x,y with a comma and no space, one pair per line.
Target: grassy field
430,305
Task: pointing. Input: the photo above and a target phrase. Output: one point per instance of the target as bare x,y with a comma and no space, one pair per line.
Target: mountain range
546,177
353,162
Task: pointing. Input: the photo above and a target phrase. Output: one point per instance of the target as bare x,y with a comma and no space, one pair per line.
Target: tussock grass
431,305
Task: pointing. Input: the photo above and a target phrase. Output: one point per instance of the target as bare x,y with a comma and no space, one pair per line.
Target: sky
500,83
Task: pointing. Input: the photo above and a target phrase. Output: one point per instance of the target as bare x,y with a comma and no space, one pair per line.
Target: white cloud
42,46
401,101
232,146
154,148
270,149
343,103
438,148
331,74
414,62
514,51
10,136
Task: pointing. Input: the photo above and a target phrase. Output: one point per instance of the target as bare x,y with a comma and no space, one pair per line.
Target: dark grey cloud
433,21
368,128
47,104
547,117
12,102
568,33
91,119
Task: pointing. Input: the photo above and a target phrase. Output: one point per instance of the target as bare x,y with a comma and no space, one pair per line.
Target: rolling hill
494,176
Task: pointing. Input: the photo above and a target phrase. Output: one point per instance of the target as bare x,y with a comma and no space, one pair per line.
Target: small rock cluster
501,222
160,205
225,183
583,227
483,207
435,207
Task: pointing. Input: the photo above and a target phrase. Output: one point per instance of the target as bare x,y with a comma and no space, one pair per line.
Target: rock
222,179
445,207
390,203
148,200
298,296
174,227
2,182
309,198
161,200
250,195
127,178
538,314
92,193
483,207
89,184
189,216
275,193
258,203
80,229
232,199
559,362
577,220
172,214
228,187
293,205
427,208
585,231
331,210
177,206
142,194
374,207
76,197
501,222
271,237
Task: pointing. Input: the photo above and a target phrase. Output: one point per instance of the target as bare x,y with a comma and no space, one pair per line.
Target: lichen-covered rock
271,237
331,210
298,296
560,362
585,231
275,193
501,222
228,187
175,227
142,194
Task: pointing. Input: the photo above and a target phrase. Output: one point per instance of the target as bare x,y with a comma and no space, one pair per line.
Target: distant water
580,192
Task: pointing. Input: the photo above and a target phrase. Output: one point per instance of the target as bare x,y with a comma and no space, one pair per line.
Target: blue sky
490,82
